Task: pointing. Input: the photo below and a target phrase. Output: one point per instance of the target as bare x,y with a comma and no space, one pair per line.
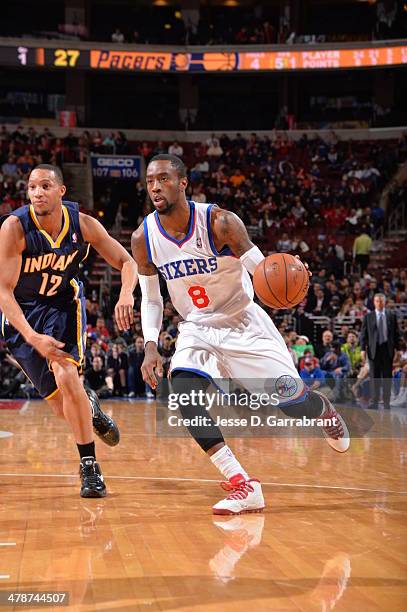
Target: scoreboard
40,56
169,61
320,59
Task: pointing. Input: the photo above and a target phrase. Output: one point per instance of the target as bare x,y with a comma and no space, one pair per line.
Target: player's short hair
51,168
175,161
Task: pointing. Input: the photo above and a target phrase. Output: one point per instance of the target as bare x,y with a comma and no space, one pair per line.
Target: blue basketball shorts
63,320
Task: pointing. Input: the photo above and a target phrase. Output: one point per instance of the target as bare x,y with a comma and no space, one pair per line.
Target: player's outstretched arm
151,308
116,255
229,230
12,244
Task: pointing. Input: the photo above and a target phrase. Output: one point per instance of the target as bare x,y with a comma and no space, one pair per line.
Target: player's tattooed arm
228,230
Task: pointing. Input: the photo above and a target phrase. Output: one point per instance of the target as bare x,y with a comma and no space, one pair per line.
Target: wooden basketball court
333,535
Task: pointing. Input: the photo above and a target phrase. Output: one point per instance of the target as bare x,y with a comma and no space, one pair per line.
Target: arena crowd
315,198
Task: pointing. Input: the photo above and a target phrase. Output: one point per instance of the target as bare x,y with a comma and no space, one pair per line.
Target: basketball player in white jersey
205,255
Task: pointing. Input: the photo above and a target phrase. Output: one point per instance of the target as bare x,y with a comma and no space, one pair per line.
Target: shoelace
333,431
89,472
240,491
100,420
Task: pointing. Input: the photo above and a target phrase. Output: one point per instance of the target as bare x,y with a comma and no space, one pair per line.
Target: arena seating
320,195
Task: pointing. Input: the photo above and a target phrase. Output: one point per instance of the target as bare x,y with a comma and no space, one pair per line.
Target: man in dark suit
380,337
317,301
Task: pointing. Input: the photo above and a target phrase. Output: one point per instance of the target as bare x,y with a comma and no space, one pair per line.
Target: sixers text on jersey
188,267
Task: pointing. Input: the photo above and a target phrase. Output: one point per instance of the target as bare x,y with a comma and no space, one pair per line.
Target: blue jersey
49,267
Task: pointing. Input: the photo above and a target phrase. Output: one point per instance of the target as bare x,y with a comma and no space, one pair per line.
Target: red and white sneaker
337,434
245,496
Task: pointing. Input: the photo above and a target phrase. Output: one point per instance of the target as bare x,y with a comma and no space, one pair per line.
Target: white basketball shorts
254,354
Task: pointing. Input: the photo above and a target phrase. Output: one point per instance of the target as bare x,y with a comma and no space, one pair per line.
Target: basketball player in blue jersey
42,307
205,256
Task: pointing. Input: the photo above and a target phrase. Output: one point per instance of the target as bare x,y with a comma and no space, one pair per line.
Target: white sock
227,463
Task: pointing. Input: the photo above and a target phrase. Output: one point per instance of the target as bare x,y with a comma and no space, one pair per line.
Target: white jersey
205,286
225,335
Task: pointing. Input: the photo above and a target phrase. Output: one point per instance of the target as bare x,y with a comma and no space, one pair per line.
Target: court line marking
4,576
8,543
271,484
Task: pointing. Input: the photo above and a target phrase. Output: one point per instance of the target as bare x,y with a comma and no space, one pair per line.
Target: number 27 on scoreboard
66,57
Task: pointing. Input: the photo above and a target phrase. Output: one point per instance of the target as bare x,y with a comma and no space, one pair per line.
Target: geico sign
115,163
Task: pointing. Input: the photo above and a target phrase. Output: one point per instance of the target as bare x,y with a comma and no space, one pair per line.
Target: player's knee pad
204,431
312,407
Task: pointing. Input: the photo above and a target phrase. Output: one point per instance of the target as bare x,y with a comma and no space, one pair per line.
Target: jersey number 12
52,286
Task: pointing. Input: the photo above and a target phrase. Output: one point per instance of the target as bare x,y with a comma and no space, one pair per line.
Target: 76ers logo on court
286,386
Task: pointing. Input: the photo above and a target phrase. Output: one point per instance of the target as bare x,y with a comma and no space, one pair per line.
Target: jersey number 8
198,296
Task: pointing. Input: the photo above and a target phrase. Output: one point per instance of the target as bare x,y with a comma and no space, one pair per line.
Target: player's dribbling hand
306,266
50,348
123,311
152,365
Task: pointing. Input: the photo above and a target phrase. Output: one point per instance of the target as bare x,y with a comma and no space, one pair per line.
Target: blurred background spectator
97,378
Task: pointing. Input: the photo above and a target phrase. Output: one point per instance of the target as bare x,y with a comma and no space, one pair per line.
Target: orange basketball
281,281
219,61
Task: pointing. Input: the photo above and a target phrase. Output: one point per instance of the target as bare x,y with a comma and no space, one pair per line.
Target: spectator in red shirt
310,359
100,329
